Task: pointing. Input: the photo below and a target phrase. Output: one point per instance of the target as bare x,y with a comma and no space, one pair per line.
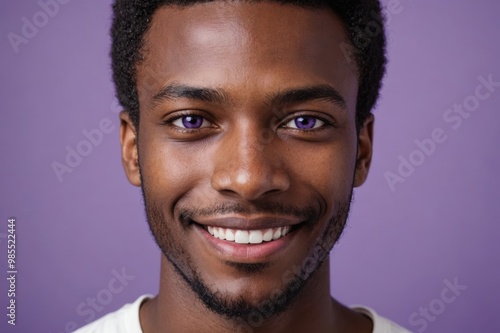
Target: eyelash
327,123
169,121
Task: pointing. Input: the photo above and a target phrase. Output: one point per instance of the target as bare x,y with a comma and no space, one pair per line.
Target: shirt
126,320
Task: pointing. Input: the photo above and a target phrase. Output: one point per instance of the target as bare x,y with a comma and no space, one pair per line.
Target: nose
248,165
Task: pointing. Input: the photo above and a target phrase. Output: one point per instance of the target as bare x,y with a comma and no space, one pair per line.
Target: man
247,124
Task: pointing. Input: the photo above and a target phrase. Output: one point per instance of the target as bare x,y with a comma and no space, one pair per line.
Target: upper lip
248,223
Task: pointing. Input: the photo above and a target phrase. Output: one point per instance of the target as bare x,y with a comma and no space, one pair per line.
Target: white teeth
222,233
241,236
248,236
230,235
255,236
268,235
277,233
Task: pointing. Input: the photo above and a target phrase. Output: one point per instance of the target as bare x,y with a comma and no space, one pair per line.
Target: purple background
399,247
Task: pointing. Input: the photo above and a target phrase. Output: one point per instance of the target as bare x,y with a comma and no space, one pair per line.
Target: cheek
327,169
169,170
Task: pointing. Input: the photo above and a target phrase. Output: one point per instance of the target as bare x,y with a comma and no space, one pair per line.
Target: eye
305,123
191,122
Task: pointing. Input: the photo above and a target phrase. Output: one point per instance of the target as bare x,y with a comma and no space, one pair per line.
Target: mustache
308,214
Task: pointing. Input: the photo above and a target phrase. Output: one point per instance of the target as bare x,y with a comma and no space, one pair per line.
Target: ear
130,156
365,149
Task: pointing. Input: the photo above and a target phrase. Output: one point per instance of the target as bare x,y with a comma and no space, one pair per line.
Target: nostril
273,191
250,182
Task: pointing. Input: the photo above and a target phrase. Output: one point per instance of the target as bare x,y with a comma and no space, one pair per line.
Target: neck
178,309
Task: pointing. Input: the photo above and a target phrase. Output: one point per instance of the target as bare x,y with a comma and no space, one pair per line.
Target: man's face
247,130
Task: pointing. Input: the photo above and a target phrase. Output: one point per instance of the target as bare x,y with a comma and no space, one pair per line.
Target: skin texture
245,64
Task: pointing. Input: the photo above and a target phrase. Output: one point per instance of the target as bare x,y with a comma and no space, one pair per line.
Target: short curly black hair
363,21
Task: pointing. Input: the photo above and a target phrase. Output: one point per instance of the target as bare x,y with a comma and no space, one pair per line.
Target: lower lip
246,253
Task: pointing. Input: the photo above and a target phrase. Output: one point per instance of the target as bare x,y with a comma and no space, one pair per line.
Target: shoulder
380,324
123,320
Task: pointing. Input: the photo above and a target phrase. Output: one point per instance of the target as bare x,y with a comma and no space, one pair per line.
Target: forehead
222,42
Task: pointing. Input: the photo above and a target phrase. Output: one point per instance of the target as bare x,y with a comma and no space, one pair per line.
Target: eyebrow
279,99
177,91
309,93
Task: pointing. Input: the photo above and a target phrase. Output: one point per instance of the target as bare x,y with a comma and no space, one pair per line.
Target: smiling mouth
257,236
